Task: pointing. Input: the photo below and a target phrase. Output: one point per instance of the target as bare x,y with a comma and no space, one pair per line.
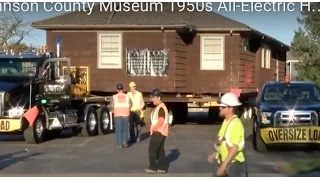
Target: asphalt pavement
187,148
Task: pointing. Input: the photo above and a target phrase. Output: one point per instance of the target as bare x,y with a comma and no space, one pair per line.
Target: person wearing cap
159,130
121,105
228,157
135,122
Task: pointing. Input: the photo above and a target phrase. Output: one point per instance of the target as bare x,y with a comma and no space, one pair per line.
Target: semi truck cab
286,113
43,85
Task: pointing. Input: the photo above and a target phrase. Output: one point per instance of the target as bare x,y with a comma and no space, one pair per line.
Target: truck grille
295,118
1,103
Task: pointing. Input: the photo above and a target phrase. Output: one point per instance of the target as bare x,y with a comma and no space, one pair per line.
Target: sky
280,25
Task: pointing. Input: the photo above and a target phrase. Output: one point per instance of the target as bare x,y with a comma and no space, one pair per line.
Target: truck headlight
266,117
16,112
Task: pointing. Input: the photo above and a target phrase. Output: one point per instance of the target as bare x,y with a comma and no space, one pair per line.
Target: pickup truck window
291,92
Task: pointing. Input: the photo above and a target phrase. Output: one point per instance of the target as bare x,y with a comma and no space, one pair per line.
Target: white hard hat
229,99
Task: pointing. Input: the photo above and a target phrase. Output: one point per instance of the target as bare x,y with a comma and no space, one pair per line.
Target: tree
306,44
13,30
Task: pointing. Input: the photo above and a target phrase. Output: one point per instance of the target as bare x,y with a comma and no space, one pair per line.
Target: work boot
150,171
161,171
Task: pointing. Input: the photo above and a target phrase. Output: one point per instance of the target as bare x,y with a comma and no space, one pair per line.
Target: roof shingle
166,18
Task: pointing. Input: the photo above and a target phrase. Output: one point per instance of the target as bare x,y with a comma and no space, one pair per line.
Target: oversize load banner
291,135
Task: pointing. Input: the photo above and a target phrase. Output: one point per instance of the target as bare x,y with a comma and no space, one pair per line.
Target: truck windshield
291,92
18,67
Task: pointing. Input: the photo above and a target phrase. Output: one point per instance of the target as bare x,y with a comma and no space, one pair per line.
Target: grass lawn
302,167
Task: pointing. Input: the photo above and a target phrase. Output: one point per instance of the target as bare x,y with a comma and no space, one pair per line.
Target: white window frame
210,36
266,62
100,35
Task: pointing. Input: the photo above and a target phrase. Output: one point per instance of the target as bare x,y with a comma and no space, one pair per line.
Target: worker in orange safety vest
121,105
159,130
136,125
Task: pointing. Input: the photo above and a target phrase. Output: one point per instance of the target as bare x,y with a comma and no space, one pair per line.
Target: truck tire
246,114
213,115
104,120
179,112
257,141
90,126
170,118
37,133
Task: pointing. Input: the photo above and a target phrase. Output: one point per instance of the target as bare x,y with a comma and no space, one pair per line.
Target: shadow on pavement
7,160
172,156
144,136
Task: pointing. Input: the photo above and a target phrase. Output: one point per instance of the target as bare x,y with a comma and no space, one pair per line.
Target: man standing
121,104
136,98
229,158
159,130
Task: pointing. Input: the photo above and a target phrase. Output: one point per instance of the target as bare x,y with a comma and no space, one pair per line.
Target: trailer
192,57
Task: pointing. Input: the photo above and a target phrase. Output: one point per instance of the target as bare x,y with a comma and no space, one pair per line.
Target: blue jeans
136,128
121,128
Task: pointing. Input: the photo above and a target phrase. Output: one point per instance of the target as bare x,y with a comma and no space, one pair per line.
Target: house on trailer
292,71
177,52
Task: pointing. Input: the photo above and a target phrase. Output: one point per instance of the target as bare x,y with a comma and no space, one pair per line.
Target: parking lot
187,149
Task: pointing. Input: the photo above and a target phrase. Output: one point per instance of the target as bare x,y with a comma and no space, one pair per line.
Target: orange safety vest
164,129
121,105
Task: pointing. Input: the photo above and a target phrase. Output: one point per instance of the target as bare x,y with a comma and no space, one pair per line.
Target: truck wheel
104,120
257,141
179,112
170,118
213,115
247,114
90,127
36,133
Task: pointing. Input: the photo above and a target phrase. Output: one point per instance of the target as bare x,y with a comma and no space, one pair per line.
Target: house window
212,52
265,57
110,51
245,44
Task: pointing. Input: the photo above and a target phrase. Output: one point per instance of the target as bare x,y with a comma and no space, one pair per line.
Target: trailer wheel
213,115
37,132
104,120
179,113
90,127
257,142
170,118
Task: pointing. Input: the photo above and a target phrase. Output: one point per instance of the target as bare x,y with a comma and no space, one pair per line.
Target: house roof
168,19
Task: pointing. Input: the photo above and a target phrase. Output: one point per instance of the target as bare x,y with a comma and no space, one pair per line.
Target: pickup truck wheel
90,127
104,120
257,142
36,133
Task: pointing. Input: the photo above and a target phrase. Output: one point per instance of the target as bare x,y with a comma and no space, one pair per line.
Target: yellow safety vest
136,100
231,132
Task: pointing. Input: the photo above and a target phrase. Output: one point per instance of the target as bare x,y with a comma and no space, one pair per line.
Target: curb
133,175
